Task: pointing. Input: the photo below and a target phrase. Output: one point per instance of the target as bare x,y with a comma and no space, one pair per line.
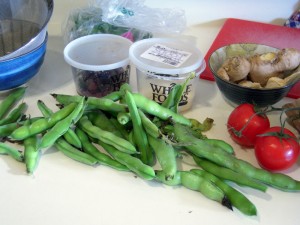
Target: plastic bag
88,20
133,13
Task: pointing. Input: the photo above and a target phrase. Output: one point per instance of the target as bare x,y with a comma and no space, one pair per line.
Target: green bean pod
62,126
133,163
228,174
160,176
74,153
166,156
155,109
123,118
206,187
70,136
125,87
107,137
198,183
10,100
149,126
139,134
15,114
238,200
121,129
42,124
7,129
104,103
65,99
99,119
31,152
220,144
222,158
13,152
114,96
103,159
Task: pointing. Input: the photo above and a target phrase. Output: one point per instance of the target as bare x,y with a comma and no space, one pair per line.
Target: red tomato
277,152
244,124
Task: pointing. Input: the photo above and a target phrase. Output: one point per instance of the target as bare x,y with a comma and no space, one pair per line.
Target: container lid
165,56
98,52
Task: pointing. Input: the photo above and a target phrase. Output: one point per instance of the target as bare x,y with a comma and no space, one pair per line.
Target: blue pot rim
28,53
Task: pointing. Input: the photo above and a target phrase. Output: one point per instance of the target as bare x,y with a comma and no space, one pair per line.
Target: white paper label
166,55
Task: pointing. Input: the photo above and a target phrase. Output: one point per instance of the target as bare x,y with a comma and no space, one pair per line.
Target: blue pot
17,71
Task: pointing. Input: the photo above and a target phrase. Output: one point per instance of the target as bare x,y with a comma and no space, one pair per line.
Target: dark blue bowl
17,71
236,94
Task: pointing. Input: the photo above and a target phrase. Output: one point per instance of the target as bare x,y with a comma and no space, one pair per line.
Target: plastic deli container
163,62
99,62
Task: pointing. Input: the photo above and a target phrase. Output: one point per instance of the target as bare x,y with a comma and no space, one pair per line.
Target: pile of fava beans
129,132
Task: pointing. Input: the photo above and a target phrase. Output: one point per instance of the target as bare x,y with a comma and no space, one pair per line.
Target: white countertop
65,192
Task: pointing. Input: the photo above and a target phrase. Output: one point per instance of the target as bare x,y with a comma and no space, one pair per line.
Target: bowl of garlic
255,73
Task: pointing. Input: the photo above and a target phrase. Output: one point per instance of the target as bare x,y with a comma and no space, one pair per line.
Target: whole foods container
163,62
99,62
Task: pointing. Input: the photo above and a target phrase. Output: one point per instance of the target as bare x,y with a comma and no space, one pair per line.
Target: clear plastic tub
99,62
163,62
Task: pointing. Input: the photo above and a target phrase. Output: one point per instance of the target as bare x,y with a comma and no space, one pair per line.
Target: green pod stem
15,114
6,149
238,200
70,136
42,124
103,159
10,100
228,174
206,125
74,153
139,134
222,158
62,126
133,163
155,109
105,136
171,101
166,156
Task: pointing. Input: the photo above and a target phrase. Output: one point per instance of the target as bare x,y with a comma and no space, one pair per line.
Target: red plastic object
243,31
